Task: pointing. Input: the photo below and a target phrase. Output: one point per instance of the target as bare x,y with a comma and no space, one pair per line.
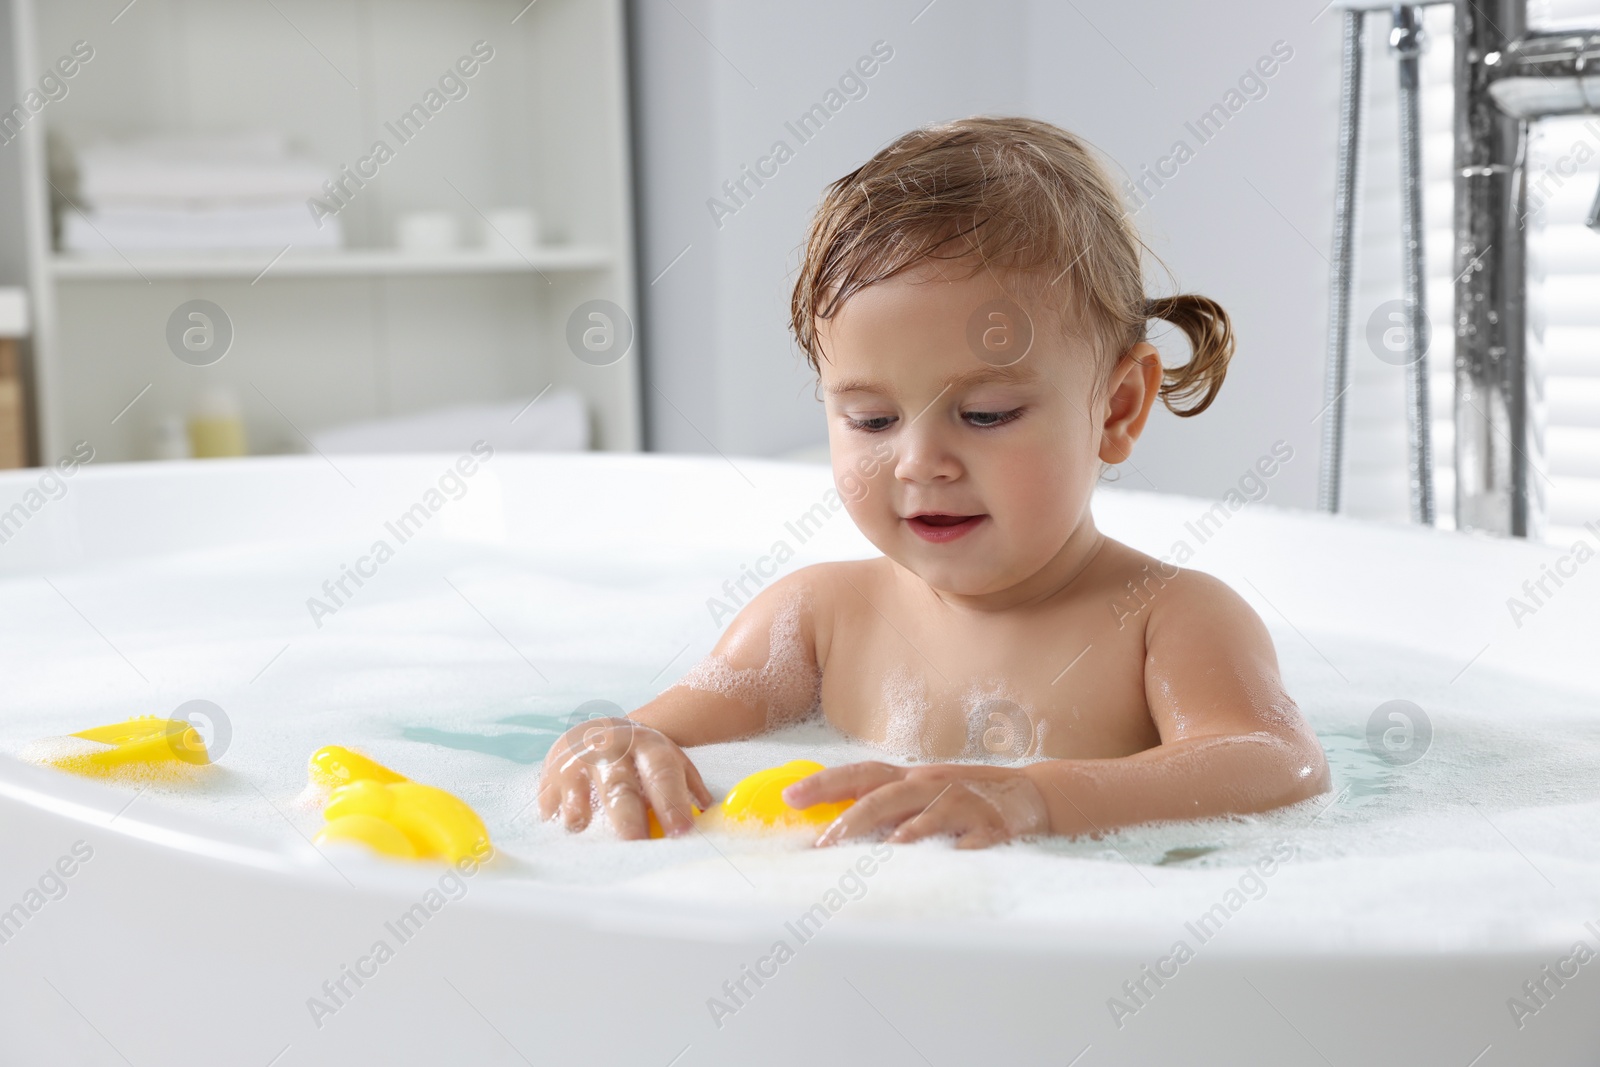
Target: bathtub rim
160,829
162,832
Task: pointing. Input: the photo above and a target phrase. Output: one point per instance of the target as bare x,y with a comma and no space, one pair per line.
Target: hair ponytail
1210,335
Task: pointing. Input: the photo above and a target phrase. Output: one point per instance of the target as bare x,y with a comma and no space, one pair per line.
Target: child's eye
875,424
986,419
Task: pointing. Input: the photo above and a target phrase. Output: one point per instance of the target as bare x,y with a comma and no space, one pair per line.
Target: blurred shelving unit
359,262
329,336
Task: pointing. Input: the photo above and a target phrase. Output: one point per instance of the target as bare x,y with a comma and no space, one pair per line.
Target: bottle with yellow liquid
216,427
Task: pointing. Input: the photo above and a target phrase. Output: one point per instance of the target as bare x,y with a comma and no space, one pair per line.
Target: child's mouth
938,528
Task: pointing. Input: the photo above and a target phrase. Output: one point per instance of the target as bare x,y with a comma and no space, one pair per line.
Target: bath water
461,664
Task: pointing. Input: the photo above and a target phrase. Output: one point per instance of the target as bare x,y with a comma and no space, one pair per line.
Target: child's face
1013,444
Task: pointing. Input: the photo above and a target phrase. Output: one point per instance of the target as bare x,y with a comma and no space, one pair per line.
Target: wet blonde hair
1025,197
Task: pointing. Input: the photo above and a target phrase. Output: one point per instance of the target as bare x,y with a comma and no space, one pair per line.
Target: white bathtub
187,938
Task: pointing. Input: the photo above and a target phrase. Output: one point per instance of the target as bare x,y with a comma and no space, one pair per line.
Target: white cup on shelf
507,229
426,231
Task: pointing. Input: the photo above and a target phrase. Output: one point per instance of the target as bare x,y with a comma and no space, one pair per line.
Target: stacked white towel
176,193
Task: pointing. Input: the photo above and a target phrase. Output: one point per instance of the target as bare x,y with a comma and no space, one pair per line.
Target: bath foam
1378,861
788,664
903,713
52,750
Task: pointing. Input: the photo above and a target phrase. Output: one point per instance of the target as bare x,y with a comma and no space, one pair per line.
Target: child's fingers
931,821
697,784
575,803
889,805
667,789
567,755
623,798
848,782
549,796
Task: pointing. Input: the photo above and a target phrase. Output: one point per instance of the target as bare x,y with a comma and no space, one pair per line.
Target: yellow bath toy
759,798
655,824
373,806
335,765
144,743
369,830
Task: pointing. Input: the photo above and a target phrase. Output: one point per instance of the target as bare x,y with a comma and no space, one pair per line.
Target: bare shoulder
1211,670
1208,613
1198,594
1172,601
825,587
843,574
818,584
804,598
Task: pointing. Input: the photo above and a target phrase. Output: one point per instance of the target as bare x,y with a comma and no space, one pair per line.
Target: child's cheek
860,473
852,487
1036,486
867,508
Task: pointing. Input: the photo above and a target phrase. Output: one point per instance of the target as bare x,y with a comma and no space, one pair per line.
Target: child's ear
1135,382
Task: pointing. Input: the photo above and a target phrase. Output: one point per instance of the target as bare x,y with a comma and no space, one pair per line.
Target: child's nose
923,455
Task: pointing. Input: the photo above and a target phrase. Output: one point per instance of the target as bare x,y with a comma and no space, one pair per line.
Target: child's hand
626,766
981,806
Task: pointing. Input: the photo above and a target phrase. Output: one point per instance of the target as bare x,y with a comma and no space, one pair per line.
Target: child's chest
1064,683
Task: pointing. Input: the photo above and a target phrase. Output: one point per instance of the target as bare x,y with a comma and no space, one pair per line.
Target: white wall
718,80
718,83
1246,221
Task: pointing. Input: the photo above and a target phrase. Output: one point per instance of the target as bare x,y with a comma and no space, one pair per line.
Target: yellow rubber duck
335,765
142,744
392,815
758,799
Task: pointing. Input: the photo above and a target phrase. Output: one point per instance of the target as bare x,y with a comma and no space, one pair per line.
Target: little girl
973,303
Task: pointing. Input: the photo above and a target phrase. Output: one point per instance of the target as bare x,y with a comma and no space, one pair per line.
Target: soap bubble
199,332
1000,332
213,726
1399,732
1008,728
605,742
599,332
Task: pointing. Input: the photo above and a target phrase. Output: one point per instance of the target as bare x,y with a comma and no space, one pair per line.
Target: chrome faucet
1505,78
1549,74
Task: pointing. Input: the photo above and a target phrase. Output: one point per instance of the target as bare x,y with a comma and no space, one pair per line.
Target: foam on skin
903,714
789,670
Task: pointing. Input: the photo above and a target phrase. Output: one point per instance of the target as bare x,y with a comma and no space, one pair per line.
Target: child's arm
762,671
1231,742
